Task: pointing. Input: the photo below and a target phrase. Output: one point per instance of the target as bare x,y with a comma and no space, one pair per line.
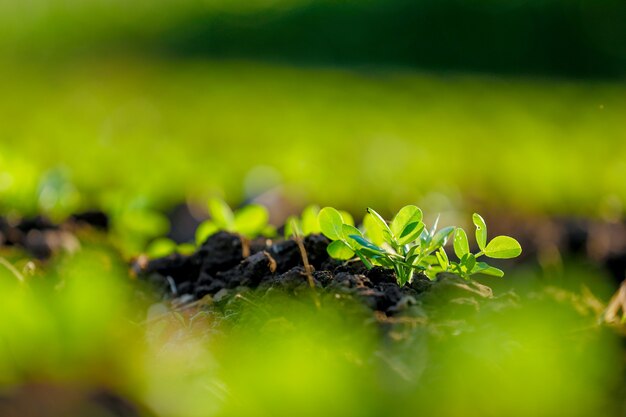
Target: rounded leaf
372,230
221,214
293,227
347,230
346,217
161,247
503,247
371,248
481,230
251,220
468,261
186,248
461,245
411,232
406,216
309,222
331,223
382,225
339,250
204,230
441,237
486,269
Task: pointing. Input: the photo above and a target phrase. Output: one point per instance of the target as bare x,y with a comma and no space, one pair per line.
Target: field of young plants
328,208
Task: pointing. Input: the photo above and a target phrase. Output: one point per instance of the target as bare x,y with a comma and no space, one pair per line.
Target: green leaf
442,257
406,216
372,230
186,248
363,258
361,241
161,247
503,247
204,230
310,224
468,261
434,228
440,238
346,217
250,220
382,225
347,231
461,245
293,227
269,231
143,222
339,250
330,223
411,232
481,231
486,269
221,214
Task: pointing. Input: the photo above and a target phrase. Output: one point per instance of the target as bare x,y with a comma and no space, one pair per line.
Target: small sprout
500,247
186,248
304,226
406,245
332,226
161,247
249,221
309,224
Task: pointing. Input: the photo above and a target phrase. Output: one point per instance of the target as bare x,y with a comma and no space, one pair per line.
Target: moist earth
219,269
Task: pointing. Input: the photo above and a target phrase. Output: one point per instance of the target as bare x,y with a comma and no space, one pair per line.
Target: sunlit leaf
204,230
161,247
503,247
310,224
250,220
481,231
331,223
461,245
411,232
221,214
346,217
382,225
372,230
339,250
406,216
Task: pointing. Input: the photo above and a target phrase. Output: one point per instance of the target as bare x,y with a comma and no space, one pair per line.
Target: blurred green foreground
74,332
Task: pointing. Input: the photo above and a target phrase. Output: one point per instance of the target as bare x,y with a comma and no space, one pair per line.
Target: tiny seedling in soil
407,246
249,221
308,223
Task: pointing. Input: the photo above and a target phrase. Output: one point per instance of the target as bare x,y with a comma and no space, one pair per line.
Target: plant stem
12,269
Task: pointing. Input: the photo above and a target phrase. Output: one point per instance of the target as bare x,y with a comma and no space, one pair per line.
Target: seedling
308,224
305,225
500,247
406,245
163,246
249,221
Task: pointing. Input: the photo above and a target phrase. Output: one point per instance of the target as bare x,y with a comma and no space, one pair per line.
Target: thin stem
12,269
308,270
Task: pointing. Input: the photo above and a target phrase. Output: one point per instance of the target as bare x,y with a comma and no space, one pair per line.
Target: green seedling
249,221
163,246
500,247
304,225
406,245
308,223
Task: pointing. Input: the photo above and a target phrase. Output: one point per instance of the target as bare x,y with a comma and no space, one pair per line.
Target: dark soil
219,269
41,238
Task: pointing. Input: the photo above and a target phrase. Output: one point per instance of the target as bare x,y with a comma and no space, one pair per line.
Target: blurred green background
516,104
514,107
